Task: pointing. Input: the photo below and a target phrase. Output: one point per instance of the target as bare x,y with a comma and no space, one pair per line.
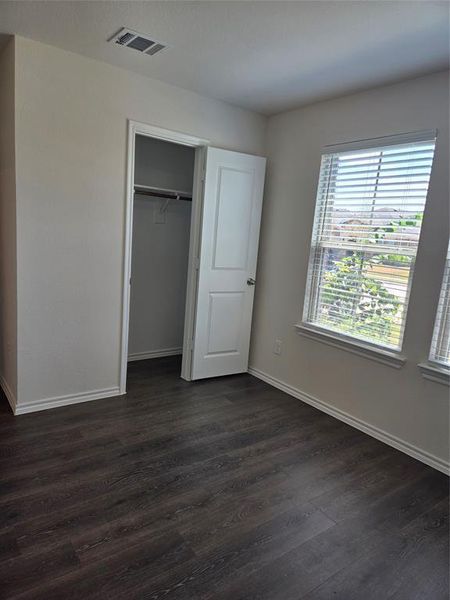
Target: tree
355,301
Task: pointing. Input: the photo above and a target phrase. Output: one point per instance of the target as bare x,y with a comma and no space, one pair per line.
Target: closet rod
161,193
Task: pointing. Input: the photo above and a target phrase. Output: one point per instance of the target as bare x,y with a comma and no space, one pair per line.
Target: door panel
233,213
228,251
225,311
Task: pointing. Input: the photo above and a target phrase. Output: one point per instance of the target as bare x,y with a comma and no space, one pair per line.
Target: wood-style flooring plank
220,489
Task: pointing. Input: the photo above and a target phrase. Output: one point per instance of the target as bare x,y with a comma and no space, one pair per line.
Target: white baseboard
379,434
8,393
154,354
47,403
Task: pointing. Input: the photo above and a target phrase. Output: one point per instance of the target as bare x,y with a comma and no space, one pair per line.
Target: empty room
224,299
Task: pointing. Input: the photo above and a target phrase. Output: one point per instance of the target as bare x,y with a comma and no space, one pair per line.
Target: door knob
251,281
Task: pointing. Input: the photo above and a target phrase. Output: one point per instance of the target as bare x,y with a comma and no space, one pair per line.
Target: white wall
399,402
8,282
160,251
71,127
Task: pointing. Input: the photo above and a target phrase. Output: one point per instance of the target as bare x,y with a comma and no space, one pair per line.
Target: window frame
355,344
435,369
442,321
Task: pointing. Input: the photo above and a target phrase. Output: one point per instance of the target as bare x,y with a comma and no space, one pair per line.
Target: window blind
440,346
367,224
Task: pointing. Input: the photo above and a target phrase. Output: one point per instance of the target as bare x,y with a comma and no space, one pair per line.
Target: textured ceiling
266,55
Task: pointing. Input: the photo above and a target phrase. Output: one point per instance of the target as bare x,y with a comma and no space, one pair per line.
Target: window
440,346
370,201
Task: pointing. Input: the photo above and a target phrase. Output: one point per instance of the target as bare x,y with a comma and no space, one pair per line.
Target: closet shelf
162,193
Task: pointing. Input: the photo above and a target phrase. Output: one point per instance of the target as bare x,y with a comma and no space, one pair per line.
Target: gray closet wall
160,250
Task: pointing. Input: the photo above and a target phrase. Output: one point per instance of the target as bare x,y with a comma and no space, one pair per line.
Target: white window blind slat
440,345
367,223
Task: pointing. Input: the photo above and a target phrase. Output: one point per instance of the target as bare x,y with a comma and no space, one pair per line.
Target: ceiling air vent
137,41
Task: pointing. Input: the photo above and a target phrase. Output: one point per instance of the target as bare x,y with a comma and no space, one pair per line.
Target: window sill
435,372
385,357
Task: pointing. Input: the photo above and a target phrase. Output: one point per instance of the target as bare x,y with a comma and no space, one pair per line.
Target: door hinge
197,263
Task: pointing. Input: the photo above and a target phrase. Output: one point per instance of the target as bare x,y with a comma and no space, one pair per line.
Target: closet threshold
146,190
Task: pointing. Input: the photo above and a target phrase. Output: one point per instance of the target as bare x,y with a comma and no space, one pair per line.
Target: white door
232,204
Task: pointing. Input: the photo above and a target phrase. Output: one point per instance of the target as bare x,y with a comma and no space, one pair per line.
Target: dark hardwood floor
221,489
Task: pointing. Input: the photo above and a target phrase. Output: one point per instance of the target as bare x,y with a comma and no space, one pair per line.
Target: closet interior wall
160,249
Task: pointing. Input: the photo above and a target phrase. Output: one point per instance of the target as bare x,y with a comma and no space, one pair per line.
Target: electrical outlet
277,346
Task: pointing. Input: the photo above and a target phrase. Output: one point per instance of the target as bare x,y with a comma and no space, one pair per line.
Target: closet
163,180
193,215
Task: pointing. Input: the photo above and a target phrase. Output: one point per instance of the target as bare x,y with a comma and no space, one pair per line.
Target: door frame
168,135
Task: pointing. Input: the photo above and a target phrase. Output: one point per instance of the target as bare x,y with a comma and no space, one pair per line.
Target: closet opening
162,211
